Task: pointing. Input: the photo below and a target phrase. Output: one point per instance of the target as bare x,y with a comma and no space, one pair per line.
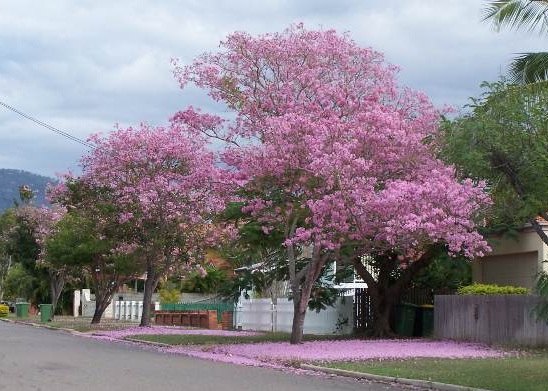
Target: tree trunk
381,324
300,300
298,321
382,308
150,285
101,303
57,283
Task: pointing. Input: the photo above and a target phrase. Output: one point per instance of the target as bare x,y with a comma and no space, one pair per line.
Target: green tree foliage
445,272
21,244
82,244
541,289
261,262
7,222
211,282
528,15
504,140
19,283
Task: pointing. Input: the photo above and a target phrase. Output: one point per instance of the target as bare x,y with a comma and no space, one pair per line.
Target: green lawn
528,372
196,339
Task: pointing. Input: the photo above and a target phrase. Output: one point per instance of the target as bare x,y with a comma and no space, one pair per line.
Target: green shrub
492,289
170,296
4,310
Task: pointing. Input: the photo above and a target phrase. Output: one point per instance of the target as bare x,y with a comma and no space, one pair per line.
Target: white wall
262,315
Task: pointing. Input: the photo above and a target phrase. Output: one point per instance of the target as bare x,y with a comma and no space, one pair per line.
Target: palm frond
518,14
529,68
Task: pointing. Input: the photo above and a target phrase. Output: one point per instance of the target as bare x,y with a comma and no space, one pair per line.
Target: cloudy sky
83,66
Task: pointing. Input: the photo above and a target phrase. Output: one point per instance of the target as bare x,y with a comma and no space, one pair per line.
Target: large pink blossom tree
163,188
336,155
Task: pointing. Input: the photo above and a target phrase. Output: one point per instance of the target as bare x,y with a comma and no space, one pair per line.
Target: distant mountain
11,180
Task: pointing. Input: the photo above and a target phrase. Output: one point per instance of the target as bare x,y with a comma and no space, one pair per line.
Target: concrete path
40,359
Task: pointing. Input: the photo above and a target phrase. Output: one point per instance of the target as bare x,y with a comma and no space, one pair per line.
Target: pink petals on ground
274,354
358,350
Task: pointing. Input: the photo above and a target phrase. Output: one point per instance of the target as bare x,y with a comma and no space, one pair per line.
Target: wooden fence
491,319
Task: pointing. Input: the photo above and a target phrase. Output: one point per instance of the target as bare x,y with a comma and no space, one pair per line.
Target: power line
47,126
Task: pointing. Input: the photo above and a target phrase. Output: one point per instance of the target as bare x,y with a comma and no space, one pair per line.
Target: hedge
492,289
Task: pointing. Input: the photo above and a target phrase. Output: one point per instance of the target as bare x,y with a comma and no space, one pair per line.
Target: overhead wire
47,126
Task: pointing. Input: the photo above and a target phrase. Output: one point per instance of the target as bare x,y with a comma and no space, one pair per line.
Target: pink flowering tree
334,154
164,187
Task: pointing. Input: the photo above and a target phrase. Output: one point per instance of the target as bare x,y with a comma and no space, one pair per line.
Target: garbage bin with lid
46,312
22,310
424,325
404,319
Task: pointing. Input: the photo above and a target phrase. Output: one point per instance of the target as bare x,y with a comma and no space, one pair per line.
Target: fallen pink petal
275,354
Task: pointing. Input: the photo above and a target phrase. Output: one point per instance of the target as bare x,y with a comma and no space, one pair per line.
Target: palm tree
527,68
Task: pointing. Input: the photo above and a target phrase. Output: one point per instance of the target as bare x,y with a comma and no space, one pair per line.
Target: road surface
34,358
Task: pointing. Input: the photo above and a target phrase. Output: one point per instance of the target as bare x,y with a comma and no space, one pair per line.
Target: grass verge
528,371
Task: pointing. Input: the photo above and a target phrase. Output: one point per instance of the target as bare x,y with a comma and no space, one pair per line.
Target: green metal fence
219,307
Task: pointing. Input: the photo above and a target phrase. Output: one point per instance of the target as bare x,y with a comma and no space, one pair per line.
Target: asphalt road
34,358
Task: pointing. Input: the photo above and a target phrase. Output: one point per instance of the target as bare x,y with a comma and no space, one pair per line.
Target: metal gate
363,312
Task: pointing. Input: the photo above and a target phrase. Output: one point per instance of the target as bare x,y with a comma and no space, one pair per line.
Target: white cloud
83,66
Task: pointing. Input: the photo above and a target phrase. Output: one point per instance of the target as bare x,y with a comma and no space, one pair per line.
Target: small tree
7,224
86,244
163,188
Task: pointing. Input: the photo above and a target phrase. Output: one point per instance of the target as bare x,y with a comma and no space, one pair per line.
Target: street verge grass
84,324
197,339
526,371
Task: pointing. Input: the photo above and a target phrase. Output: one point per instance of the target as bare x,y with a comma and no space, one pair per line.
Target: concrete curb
388,379
152,343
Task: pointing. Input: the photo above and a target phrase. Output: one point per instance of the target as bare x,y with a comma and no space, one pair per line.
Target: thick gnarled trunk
385,292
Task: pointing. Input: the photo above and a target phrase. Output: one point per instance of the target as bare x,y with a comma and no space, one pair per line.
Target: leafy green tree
82,244
445,272
504,140
7,222
24,249
530,15
19,283
208,281
541,289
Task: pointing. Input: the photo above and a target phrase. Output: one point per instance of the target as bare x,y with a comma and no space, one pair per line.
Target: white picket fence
127,310
263,315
